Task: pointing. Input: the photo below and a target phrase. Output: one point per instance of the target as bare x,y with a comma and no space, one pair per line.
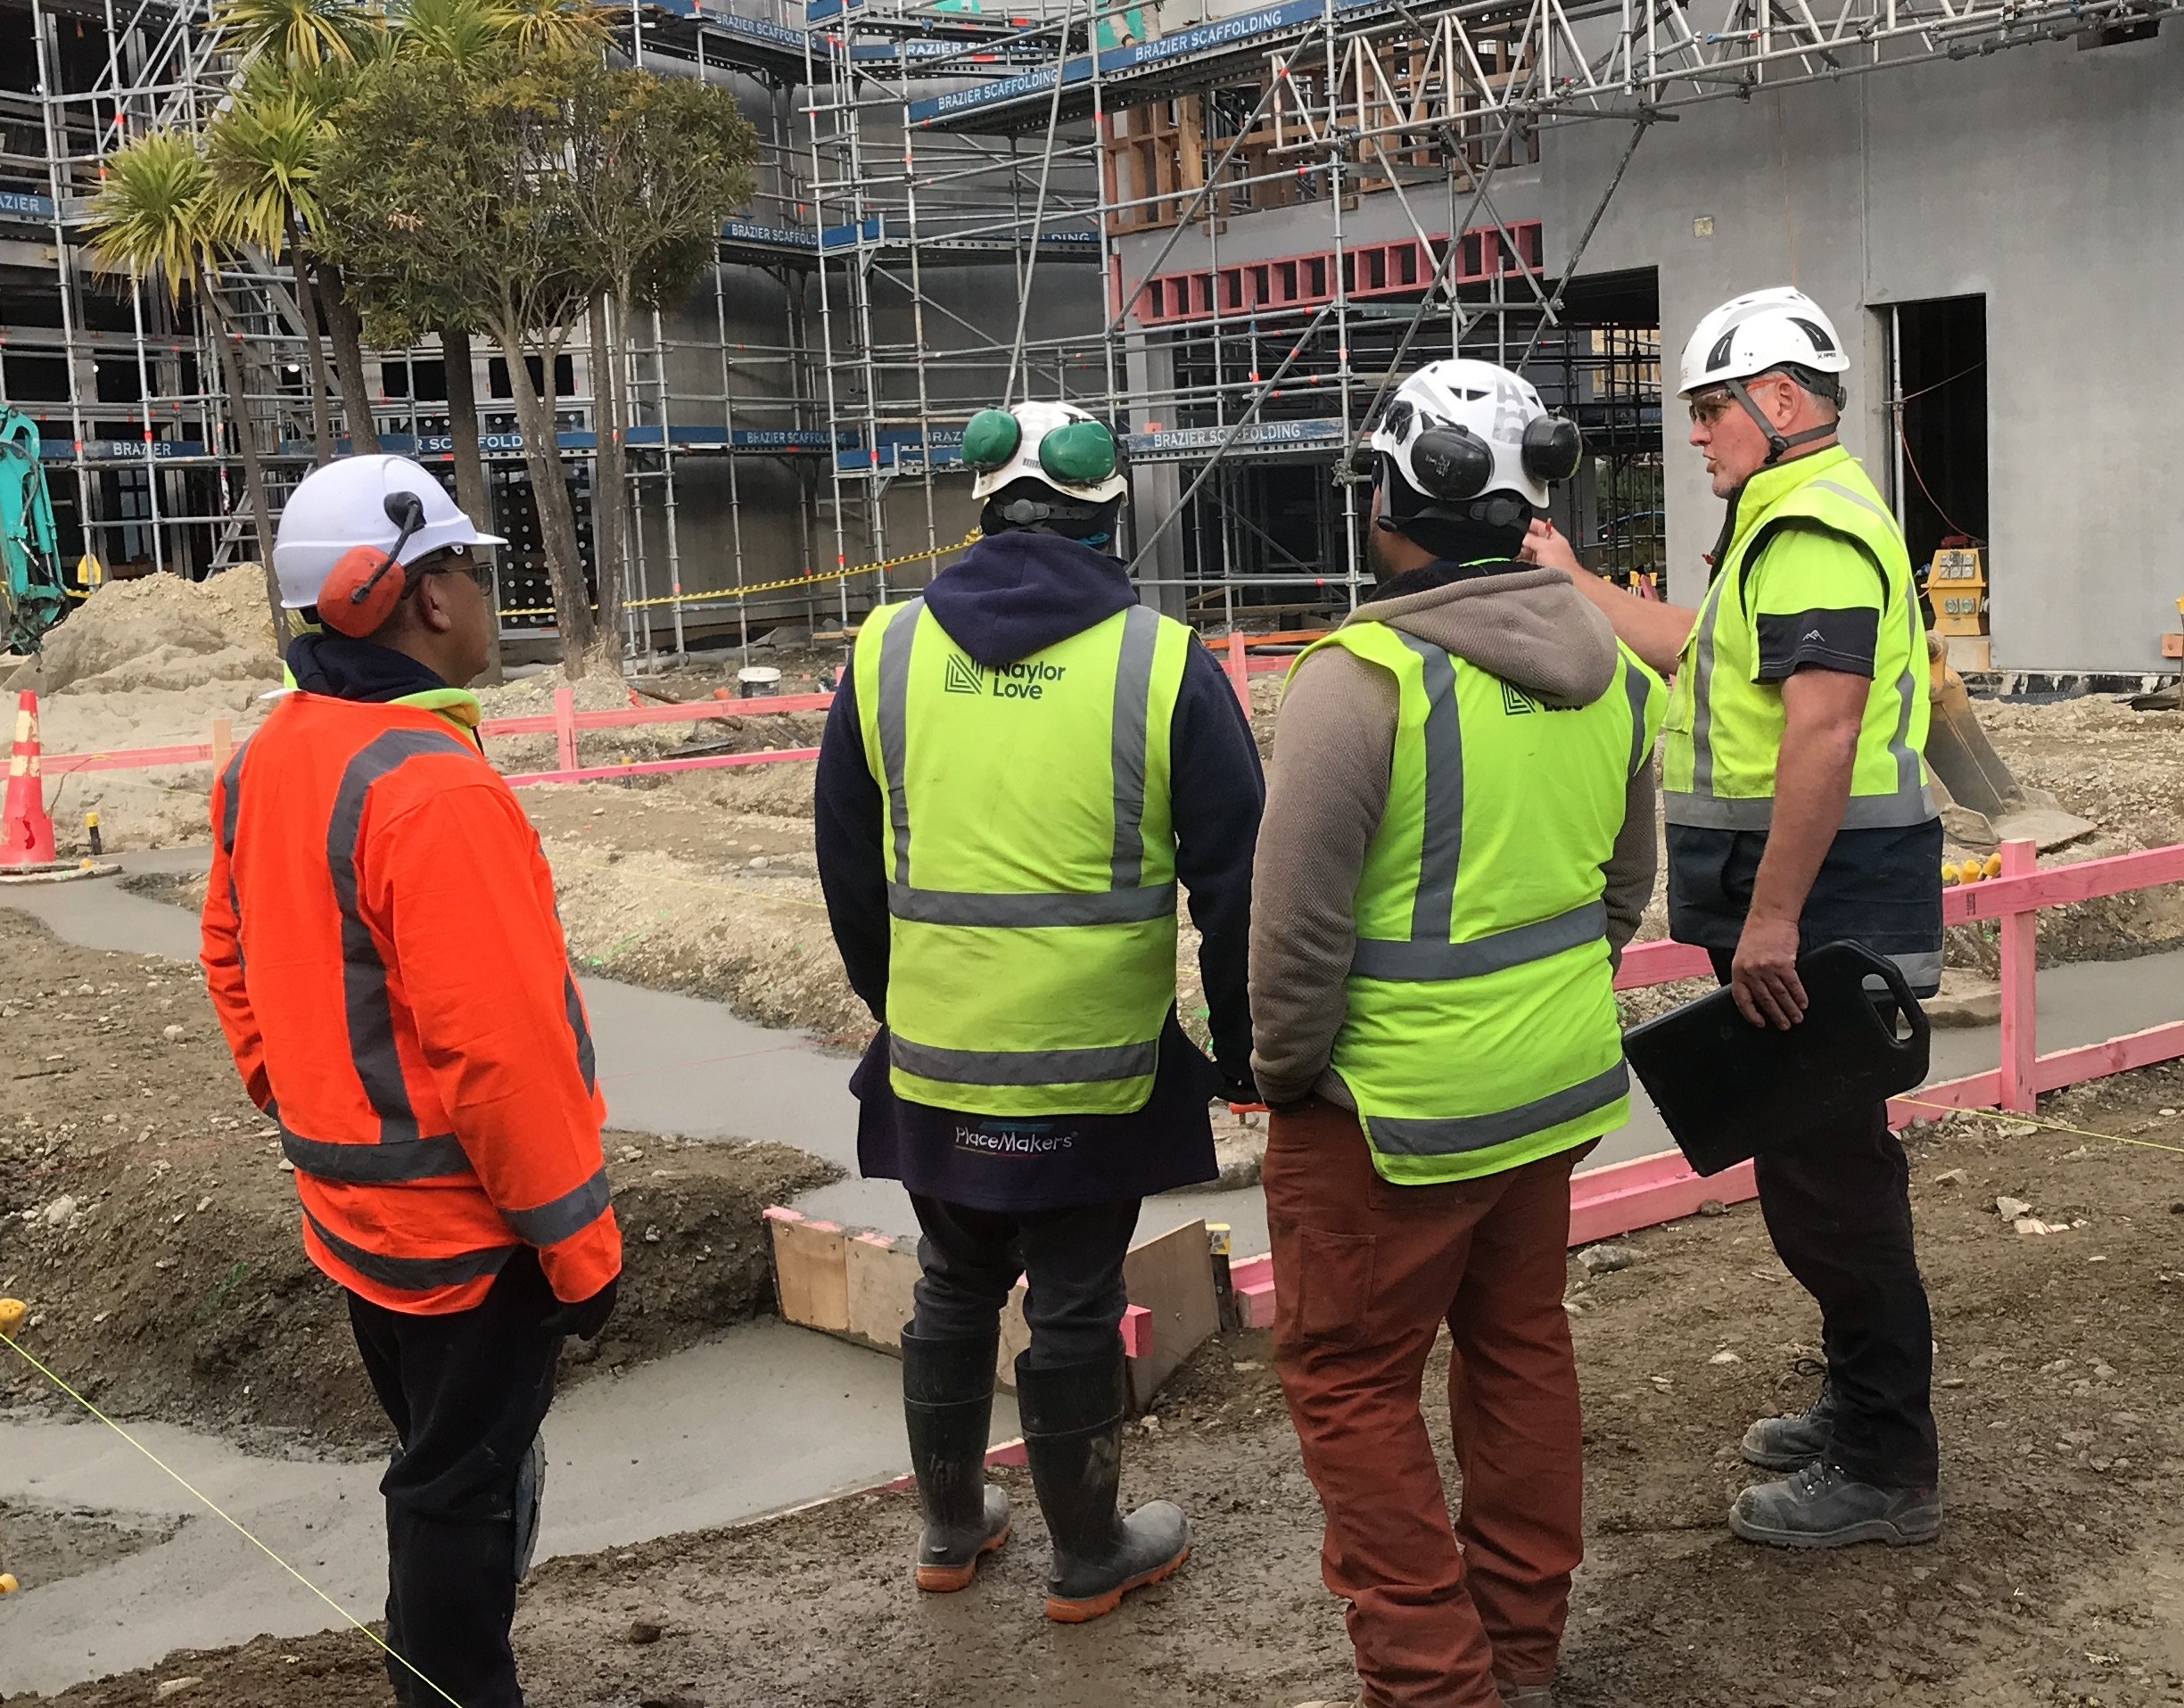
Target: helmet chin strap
1778,443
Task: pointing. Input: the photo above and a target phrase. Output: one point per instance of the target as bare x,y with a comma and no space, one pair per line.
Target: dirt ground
2058,1578
43,1544
147,1218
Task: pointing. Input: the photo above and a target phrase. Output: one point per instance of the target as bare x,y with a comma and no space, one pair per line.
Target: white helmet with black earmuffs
1473,443
1777,331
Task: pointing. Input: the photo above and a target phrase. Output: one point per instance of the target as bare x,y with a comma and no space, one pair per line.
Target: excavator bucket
1985,806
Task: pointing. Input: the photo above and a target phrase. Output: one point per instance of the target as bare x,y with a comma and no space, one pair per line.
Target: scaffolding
959,205
1239,369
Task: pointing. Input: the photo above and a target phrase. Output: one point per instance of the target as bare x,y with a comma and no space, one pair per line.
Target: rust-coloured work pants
1365,1274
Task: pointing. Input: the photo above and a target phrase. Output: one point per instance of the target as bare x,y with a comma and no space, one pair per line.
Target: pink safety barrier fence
564,723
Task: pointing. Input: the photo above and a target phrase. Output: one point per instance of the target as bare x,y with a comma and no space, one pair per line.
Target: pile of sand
150,663
162,633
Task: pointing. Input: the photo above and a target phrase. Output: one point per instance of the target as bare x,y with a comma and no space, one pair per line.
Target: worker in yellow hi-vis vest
1799,814
1458,842
1022,768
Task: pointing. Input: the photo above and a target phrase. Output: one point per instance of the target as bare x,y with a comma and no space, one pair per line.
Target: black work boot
1793,1443
1073,1434
948,1406
1823,1506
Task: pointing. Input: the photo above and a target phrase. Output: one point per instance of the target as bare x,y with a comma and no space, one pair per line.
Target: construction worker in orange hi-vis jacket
382,946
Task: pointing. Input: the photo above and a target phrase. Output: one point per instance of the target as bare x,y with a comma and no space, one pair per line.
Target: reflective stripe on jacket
382,946
1725,725
1481,1030
1031,857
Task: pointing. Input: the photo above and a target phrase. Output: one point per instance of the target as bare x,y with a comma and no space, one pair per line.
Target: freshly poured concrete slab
98,913
684,1066
763,1418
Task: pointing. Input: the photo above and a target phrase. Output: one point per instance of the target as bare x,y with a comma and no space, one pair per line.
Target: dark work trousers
1071,1260
1837,1202
466,1393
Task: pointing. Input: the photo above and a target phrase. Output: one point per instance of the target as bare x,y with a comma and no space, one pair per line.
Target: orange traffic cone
26,832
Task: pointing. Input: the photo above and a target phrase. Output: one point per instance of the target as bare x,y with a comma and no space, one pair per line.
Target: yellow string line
963,544
214,1508
2006,1115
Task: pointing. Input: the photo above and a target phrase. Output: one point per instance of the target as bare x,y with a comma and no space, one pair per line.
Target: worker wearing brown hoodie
1458,842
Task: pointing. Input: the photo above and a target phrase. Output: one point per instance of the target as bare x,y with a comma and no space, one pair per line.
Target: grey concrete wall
2045,179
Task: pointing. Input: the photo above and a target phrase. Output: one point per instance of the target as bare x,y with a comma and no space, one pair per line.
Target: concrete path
765,1416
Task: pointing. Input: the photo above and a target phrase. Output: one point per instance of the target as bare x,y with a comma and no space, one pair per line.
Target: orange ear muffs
361,591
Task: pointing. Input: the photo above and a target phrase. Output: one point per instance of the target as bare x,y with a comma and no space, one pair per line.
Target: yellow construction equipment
1982,804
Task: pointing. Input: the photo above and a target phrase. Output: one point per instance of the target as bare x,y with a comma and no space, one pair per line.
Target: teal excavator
33,596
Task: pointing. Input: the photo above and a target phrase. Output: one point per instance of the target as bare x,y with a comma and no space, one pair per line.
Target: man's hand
1240,1091
587,1317
1821,713
1763,977
1545,544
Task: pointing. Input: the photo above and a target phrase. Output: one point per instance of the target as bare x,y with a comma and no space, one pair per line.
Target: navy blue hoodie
1010,596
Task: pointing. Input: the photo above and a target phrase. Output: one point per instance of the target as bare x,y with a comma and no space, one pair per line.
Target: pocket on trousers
1334,1292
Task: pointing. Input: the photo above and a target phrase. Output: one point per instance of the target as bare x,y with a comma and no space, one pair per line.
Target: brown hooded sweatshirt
1334,751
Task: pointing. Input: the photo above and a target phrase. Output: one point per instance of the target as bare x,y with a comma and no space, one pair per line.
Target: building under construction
1231,230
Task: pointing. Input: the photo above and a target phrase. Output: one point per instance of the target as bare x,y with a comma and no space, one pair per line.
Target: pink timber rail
563,723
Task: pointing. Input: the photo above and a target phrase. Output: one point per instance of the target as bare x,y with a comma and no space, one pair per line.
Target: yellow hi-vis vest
1481,1031
1031,860
1724,730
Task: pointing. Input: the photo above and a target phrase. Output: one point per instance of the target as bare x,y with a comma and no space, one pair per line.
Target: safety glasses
1709,408
453,561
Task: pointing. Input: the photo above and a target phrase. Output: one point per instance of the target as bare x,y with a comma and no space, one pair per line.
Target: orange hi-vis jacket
382,946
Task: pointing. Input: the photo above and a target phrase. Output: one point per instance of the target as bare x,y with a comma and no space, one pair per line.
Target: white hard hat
1761,330
1459,430
1084,464
343,504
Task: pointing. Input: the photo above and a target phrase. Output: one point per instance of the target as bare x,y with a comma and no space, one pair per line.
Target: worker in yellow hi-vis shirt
1799,814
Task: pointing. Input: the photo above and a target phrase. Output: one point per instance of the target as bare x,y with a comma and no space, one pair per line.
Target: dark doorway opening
1939,458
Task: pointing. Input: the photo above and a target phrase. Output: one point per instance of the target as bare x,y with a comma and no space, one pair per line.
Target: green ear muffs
1081,454
991,440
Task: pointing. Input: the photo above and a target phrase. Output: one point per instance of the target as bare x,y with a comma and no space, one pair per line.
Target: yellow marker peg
11,1313
8,1586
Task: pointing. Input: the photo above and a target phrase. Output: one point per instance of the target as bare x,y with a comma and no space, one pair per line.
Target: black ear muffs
1553,448
360,595
1451,464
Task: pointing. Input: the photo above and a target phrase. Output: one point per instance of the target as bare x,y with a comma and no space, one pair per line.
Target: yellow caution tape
965,543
